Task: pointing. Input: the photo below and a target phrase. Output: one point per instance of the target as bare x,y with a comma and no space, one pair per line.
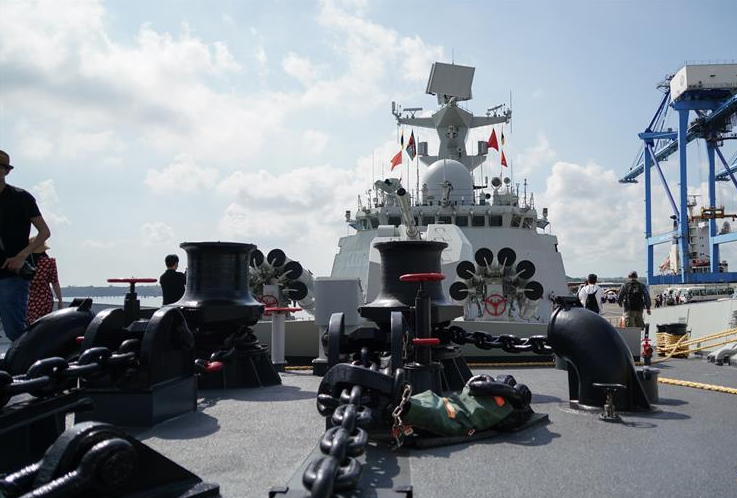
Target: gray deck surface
252,439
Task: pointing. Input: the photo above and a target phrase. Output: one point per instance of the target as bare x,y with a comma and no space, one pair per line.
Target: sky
139,125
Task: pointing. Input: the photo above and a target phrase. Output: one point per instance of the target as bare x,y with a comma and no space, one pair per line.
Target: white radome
451,171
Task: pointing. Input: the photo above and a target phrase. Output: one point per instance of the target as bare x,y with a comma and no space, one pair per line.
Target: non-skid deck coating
252,439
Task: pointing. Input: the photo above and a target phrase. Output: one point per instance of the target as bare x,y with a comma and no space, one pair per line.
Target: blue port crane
714,103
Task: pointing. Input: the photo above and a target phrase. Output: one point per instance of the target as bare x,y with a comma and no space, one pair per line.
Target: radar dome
453,172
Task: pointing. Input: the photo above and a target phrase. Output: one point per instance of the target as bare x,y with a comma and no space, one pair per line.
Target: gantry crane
710,91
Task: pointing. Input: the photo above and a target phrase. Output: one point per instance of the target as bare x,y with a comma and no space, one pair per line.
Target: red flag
493,144
504,159
397,160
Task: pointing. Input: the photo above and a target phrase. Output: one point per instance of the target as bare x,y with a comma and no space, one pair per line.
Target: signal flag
396,160
492,143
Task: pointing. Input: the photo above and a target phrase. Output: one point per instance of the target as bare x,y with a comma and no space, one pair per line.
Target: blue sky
140,125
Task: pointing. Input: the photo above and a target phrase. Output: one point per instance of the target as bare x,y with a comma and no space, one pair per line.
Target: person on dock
591,295
172,281
634,297
18,211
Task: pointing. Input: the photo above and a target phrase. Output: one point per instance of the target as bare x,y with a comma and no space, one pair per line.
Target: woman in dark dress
40,300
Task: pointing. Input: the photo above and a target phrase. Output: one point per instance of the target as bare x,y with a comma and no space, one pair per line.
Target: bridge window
478,220
427,220
495,220
375,222
462,221
395,220
445,219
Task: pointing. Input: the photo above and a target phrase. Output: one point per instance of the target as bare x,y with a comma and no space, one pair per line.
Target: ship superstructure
502,263
699,256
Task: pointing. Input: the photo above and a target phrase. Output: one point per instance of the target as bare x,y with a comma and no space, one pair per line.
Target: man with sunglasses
18,211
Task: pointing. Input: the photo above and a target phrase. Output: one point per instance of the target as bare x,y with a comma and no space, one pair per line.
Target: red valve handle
214,366
281,310
132,280
422,277
79,339
429,341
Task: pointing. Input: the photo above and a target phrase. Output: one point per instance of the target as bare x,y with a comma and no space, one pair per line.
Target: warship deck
250,440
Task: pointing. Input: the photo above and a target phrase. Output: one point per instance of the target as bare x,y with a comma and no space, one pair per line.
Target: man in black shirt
172,281
634,297
18,211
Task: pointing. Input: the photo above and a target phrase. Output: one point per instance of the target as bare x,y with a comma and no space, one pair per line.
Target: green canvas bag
459,414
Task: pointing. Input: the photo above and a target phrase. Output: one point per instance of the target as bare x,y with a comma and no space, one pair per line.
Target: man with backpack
591,295
635,298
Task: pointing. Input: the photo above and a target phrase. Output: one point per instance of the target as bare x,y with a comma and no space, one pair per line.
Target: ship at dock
186,400
501,262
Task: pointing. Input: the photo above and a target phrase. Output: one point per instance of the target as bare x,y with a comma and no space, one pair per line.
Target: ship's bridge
501,209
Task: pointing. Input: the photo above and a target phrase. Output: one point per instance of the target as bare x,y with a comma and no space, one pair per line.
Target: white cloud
74,145
314,142
599,222
300,211
49,203
68,74
228,19
184,175
300,68
370,47
535,157
36,147
261,56
157,232
224,59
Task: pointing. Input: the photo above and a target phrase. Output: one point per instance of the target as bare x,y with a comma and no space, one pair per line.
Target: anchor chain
50,376
399,430
537,344
339,470
109,464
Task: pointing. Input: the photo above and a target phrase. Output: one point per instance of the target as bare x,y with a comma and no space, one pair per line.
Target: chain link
339,470
399,430
537,344
49,376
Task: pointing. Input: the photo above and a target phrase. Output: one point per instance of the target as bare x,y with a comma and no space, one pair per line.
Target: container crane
710,91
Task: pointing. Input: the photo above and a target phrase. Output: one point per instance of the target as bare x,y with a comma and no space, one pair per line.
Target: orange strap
450,409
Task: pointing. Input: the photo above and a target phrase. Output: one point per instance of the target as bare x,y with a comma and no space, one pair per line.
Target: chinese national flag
397,159
504,159
492,143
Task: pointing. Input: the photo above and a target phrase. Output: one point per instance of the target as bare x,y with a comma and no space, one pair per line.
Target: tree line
110,290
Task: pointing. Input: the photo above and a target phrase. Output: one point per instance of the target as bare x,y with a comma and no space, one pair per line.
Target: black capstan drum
409,256
217,283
